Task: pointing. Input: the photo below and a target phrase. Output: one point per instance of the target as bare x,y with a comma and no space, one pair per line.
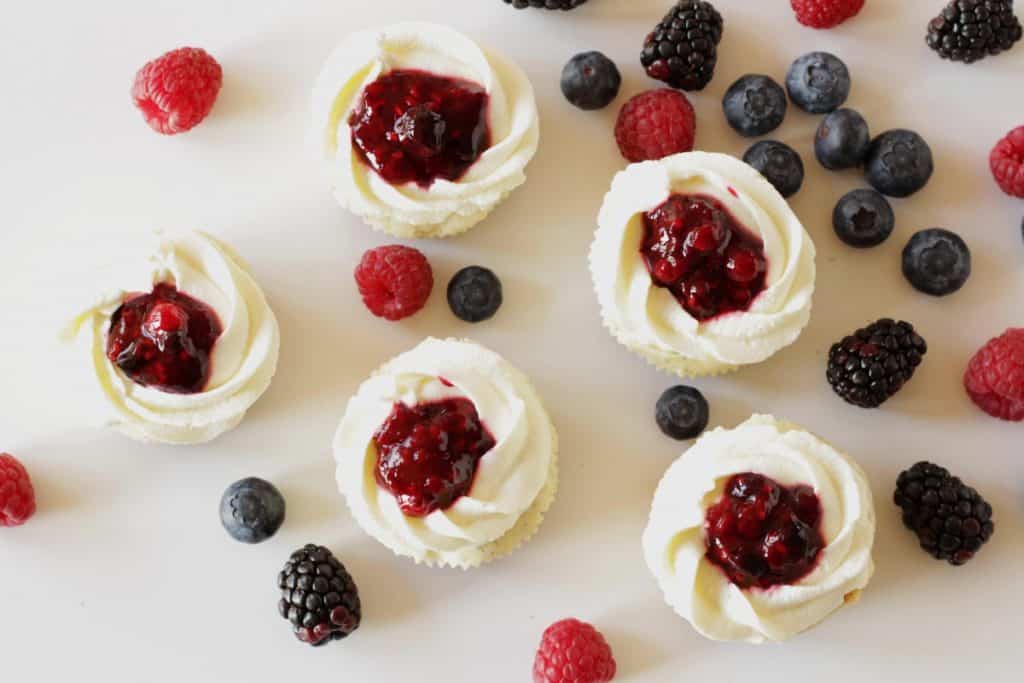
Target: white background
125,573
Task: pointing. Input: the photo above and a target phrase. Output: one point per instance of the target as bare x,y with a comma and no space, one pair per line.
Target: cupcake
447,455
700,266
760,532
184,344
422,131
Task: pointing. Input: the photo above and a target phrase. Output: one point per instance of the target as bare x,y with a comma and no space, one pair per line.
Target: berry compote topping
427,455
710,262
163,340
762,534
413,126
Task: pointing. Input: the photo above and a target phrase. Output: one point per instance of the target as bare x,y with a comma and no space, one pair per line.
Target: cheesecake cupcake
699,264
183,344
760,532
446,455
422,131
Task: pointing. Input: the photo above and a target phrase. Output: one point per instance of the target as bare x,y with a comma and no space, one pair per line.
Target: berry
176,91
842,140
682,413
318,596
868,367
474,294
572,651
818,82
754,105
1007,163
952,521
394,281
682,50
863,218
825,13
936,262
779,164
995,376
17,497
545,4
252,510
898,163
591,81
656,124
969,30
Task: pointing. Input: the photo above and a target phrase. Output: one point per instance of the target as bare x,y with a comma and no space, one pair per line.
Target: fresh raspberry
1007,162
825,13
995,376
17,498
176,91
395,281
572,651
655,124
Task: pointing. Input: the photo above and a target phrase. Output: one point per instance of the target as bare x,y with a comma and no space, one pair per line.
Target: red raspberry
655,124
572,651
176,91
17,498
825,13
395,281
1007,162
995,376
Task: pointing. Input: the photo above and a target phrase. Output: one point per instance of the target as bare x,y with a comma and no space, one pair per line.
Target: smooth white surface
125,573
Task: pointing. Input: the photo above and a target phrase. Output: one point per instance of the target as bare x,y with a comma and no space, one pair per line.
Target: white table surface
125,573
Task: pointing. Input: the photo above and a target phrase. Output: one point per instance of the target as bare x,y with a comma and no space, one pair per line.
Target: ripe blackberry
951,520
969,30
545,4
318,596
682,50
868,367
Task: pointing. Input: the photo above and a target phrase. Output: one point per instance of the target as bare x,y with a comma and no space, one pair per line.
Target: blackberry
951,520
318,596
970,30
682,50
545,4
868,367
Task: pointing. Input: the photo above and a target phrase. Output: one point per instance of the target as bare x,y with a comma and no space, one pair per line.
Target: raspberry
655,124
1007,162
176,91
572,651
17,498
995,376
825,13
395,281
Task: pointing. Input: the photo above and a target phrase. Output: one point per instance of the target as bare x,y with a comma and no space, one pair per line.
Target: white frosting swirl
674,541
446,207
515,479
242,362
648,319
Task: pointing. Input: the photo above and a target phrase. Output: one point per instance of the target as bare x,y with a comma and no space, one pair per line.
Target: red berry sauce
762,534
427,455
413,126
163,340
694,247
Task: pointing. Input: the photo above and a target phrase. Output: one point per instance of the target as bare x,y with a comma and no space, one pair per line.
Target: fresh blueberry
898,163
252,510
590,81
863,218
937,262
682,413
842,140
779,164
818,82
474,294
754,105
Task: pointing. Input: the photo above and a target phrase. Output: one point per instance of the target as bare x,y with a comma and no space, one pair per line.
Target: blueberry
898,163
842,140
682,413
754,105
779,164
252,510
863,218
474,294
818,82
937,262
590,81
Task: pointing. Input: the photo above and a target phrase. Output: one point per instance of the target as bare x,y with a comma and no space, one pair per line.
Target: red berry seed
176,91
394,281
572,651
17,497
656,124
1007,163
995,376
825,13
